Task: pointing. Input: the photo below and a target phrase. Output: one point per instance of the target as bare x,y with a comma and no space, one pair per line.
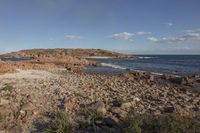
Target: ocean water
171,64
15,59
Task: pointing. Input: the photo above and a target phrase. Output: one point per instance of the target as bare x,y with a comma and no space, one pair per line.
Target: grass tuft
60,124
7,87
119,101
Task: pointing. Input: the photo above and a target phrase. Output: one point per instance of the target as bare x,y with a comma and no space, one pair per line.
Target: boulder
119,112
111,121
4,101
127,105
166,76
169,109
100,107
28,107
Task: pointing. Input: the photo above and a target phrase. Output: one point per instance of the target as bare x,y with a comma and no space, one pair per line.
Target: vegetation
92,116
167,123
16,114
7,87
60,123
118,101
1,117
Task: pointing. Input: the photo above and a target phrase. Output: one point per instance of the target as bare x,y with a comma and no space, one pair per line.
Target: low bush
166,123
60,123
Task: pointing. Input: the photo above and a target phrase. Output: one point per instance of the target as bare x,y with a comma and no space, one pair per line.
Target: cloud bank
189,35
127,36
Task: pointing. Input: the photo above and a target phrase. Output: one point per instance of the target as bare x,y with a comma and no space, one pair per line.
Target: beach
36,93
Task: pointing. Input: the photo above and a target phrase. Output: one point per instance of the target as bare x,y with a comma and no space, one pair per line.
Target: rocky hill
58,52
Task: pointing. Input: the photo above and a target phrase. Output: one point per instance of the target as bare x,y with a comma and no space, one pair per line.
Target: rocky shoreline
30,98
52,93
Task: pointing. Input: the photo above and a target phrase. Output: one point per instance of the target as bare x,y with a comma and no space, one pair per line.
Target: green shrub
119,101
133,127
92,116
60,124
16,113
167,123
7,87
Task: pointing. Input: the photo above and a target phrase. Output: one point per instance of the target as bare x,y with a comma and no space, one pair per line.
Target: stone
68,103
4,101
169,109
151,77
166,76
6,110
111,121
15,129
118,112
28,107
100,107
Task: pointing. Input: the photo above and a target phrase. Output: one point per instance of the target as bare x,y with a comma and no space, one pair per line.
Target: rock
15,129
166,76
187,80
6,110
100,107
111,121
28,107
4,101
184,80
151,77
69,103
169,109
118,112
127,105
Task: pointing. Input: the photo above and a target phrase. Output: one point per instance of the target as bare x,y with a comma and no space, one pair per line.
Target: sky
129,26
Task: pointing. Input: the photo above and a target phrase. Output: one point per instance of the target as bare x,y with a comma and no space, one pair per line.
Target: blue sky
133,26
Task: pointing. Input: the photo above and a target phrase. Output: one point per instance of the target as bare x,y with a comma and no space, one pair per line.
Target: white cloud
72,37
192,31
190,35
154,39
143,33
127,36
170,24
123,36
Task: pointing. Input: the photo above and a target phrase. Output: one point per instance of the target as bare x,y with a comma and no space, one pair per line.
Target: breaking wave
146,57
113,66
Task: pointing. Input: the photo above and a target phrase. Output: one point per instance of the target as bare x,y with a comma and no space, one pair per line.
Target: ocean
171,64
14,59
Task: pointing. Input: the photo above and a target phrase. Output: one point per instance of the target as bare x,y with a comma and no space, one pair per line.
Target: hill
59,52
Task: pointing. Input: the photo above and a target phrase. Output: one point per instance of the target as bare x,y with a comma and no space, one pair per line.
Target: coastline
33,91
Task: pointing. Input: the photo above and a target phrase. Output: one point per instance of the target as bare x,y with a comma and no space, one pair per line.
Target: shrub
92,116
7,87
119,101
166,123
60,123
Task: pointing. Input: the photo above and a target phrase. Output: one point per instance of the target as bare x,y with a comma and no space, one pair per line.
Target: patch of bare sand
28,74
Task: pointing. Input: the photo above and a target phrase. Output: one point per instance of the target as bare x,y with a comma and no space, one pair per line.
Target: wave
145,57
113,66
